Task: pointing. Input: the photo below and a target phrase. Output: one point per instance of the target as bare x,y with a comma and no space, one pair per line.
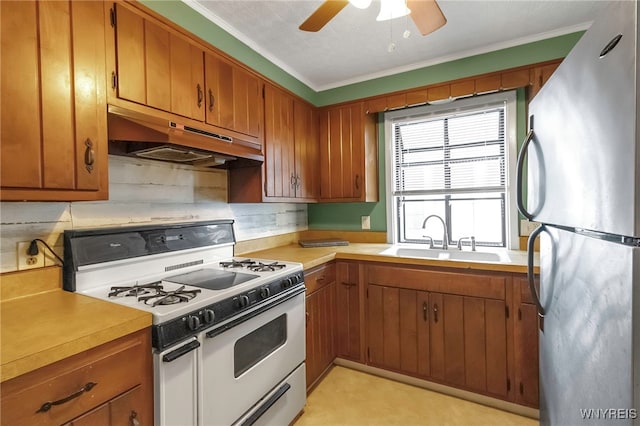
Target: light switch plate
366,222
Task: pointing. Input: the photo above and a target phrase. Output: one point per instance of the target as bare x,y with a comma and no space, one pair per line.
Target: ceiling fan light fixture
360,4
391,9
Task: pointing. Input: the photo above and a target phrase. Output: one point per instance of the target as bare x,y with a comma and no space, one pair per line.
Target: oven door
245,360
175,384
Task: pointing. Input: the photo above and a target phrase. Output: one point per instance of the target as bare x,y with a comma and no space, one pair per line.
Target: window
454,161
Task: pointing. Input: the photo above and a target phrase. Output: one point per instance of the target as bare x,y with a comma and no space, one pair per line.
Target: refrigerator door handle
519,172
530,275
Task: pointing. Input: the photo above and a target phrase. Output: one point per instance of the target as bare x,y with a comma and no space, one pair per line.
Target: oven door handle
183,350
267,404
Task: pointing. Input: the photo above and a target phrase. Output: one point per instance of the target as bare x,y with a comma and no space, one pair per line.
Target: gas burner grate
163,297
237,263
265,267
135,290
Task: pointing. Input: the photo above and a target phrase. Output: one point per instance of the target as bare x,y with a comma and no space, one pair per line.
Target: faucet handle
472,239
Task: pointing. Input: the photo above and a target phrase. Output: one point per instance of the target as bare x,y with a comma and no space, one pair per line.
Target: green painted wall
197,24
346,216
525,54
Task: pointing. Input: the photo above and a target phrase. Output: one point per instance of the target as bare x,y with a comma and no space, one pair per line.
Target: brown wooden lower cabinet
457,340
477,331
526,345
111,384
320,326
349,311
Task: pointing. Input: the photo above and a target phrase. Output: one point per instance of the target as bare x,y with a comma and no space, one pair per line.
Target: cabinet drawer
319,277
114,367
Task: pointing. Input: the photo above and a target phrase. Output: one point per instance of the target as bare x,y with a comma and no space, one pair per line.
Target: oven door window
257,345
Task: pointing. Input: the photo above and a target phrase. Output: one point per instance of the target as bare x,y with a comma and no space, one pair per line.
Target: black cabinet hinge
521,389
508,385
519,314
112,16
114,80
368,354
506,311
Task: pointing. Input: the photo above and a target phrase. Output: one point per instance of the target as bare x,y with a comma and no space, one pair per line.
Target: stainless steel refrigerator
583,158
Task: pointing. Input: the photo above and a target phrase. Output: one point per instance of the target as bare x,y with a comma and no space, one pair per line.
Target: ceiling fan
425,13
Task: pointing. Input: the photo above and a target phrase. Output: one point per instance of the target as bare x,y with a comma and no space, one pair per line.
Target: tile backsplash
144,192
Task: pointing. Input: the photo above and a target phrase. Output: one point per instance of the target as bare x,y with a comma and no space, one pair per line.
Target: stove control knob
286,283
193,322
295,279
243,301
265,292
209,316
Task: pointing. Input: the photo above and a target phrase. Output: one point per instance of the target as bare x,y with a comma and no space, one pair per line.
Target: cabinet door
130,52
485,345
526,346
306,150
55,50
398,331
320,332
233,97
157,67
279,146
348,310
186,78
348,154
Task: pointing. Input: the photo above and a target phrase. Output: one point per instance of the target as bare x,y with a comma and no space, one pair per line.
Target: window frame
509,99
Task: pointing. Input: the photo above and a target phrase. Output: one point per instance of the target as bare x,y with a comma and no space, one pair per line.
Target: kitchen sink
451,254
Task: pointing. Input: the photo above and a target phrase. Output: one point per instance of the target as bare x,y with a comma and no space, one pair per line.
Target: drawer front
114,368
319,277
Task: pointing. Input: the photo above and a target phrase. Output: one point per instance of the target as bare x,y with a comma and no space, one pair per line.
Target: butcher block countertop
513,261
40,323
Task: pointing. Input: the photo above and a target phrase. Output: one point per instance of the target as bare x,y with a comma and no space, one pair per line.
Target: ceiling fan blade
427,15
323,14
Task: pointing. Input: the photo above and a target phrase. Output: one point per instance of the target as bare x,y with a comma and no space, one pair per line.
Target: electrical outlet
366,222
25,261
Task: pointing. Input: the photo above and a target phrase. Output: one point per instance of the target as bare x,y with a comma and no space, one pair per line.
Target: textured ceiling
354,47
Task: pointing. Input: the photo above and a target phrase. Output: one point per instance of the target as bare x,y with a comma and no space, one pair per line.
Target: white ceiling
353,46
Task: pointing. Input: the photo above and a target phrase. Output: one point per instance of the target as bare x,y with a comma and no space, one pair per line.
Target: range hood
136,134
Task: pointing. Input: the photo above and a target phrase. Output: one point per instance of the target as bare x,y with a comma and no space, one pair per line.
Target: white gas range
228,332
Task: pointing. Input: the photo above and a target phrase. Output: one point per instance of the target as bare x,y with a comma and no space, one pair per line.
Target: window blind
450,153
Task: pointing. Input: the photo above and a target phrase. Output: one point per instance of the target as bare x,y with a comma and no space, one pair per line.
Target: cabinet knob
89,155
133,419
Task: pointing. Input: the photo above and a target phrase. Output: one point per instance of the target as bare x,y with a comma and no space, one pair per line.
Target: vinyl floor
351,398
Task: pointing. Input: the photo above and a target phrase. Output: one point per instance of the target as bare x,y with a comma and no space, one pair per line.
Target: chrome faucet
445,237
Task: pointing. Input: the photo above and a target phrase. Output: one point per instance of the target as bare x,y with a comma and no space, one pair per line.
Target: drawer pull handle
348,284
89,155
47,405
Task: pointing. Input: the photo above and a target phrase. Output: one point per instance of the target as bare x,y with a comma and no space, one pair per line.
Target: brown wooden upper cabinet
348,154
157,67
291,149
233,97
53,120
